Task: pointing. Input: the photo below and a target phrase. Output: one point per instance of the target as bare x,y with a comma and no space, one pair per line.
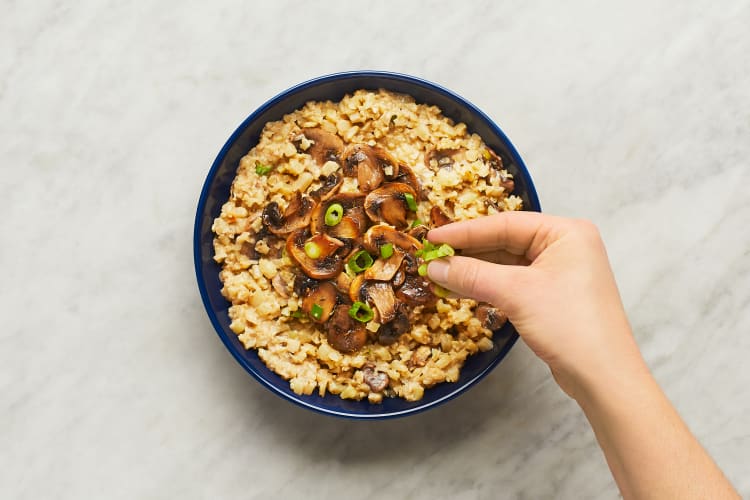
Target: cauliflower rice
258,275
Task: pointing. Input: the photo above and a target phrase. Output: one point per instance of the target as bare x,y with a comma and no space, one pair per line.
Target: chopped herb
440,291
312,250
412,204
297,314
422,269
316,311
261,169
334,214
360,261
361,312
416,223
386,250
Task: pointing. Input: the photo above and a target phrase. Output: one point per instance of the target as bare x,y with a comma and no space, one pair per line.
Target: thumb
476,279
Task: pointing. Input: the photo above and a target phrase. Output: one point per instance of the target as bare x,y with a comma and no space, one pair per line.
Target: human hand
551,276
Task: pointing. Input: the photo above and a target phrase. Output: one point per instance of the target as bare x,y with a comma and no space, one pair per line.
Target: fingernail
437,270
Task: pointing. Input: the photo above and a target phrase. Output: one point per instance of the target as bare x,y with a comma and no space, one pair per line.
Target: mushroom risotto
323,250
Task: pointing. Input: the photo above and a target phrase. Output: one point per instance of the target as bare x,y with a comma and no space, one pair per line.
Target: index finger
515,232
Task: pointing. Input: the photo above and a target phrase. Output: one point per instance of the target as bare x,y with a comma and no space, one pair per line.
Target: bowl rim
223,335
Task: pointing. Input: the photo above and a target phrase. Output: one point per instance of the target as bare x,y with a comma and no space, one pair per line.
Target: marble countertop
112,381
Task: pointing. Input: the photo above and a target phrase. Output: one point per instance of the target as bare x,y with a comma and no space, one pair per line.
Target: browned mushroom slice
377,381
381,295
438,217
494,160
418,232
280,286
324,297
390,332
303,284
440,158
355,288
489,316
326,265
406,175
399,277
416,291
380,234
352,223
370,164
296,216
367,163
498,177
325,145
329,187
344,333
384,269
343,282
388,204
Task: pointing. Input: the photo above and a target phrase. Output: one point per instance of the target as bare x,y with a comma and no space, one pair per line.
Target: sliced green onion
334,214
360,261
361,312
416,223
261,169
297,314
445,250
312,250
440,291
410,202
316,311
386,250
422,270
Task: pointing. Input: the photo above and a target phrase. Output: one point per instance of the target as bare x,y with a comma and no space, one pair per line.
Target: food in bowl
322,247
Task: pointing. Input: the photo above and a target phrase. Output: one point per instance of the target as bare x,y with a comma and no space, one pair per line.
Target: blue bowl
216,191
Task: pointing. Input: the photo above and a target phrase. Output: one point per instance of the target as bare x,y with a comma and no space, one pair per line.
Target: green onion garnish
312,250
360,261
440,291
386,250
316,311
422,270
416,223
410,202
445,250
361,312
297,314
261,169
334,214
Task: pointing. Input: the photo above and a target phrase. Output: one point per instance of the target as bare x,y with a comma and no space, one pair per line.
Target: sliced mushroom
303,284
406,175
441,158
489,316
438,217
380,234
388,204
416,291
296,216
370,164
381,295
494,159
248,250
324,297
355,288
329,187
353,222
345,333
385,269
390,332
343,282
327,265
325,145
418,232
398,278
280,285
377,381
